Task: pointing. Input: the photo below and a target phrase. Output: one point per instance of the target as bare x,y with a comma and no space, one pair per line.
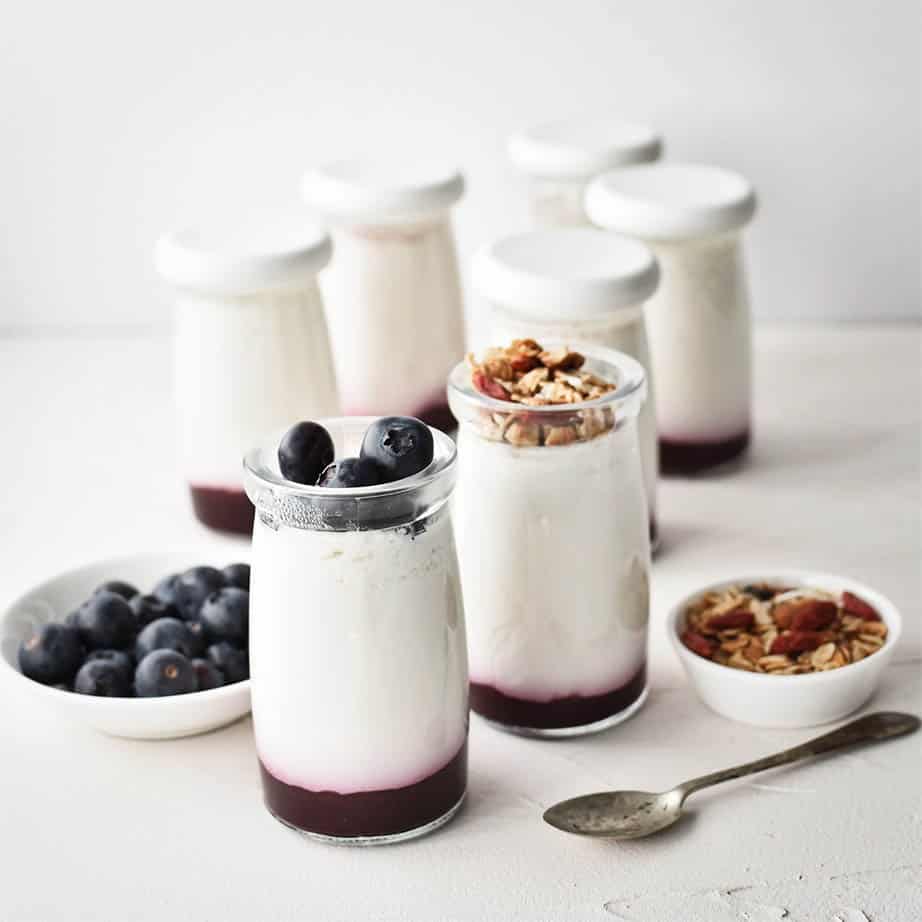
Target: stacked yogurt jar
357,640
251,350
393,292
558,158
692,217
582,286
551,523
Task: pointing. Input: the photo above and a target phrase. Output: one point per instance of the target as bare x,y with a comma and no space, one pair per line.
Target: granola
525,373
778,630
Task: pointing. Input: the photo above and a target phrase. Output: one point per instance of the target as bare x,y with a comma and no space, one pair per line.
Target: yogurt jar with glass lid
558,158
582,286
357,648
692,217
393,291
551,522
251,349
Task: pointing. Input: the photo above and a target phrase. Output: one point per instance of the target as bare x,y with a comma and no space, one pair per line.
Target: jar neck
583,327
396,230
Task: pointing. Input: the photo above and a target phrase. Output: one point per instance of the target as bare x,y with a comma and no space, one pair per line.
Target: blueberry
106,622
237,574
193,587
149,608
103,678
226,615
208,675
52,655
165,590
167,634
401,445
352,472
125,590
164,672
199,637
119,659
232,661
305,450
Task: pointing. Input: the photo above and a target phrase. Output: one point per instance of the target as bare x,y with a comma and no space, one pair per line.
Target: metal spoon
634,814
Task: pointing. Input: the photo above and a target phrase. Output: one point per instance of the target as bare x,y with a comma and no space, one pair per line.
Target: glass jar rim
262,474
627,397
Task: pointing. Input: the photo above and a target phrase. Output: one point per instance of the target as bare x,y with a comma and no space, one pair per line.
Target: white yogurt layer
357,652
624,331
699,326
246,367
554,553
393,300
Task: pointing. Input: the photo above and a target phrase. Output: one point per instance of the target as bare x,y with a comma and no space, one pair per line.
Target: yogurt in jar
551,522
357,650
582,286
691,216
393,292
251,350
558,158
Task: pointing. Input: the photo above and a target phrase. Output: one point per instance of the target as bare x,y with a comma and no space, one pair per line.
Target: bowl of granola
791,648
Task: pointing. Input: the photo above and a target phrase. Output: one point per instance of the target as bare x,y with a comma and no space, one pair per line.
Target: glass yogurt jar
551,523
357,649
393,291
559,158
251,350
700,338
576,285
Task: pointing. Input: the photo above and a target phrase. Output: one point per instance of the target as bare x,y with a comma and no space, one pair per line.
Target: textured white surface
93,828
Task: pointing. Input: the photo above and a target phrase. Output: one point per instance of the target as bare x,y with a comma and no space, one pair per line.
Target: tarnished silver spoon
634,814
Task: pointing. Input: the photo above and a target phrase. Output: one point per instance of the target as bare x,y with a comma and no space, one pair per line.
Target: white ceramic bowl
140,718
790,700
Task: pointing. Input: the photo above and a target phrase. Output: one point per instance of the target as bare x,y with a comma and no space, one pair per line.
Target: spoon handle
879,726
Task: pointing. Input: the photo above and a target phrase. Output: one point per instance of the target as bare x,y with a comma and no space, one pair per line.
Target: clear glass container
699,318
357,649
555,554
251,352
393,291
585,287
558,159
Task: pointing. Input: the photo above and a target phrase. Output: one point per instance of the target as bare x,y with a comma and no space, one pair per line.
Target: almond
855,606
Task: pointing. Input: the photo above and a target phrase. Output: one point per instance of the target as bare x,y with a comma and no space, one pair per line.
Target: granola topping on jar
525,373
782,631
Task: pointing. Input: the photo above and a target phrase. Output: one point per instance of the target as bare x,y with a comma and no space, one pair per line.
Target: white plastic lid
578,270
670,201
249,256
385,190
581,148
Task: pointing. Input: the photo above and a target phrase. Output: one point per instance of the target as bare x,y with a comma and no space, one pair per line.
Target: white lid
246,257
579,270
381,190
670,201
580,148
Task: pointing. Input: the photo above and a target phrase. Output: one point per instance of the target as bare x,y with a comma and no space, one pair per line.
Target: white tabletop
95,828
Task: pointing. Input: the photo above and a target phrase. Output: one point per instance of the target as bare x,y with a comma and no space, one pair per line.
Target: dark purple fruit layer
436,413
368,813
223,508
693,457
559,713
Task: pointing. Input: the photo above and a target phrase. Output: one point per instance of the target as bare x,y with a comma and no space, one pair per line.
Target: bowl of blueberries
152,646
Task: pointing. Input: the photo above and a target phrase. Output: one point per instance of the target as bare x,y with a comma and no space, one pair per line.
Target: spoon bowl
616,814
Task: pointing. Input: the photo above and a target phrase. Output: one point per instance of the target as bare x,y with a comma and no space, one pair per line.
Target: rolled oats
782,631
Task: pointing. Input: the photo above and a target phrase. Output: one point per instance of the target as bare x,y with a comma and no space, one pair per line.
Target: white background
122,119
